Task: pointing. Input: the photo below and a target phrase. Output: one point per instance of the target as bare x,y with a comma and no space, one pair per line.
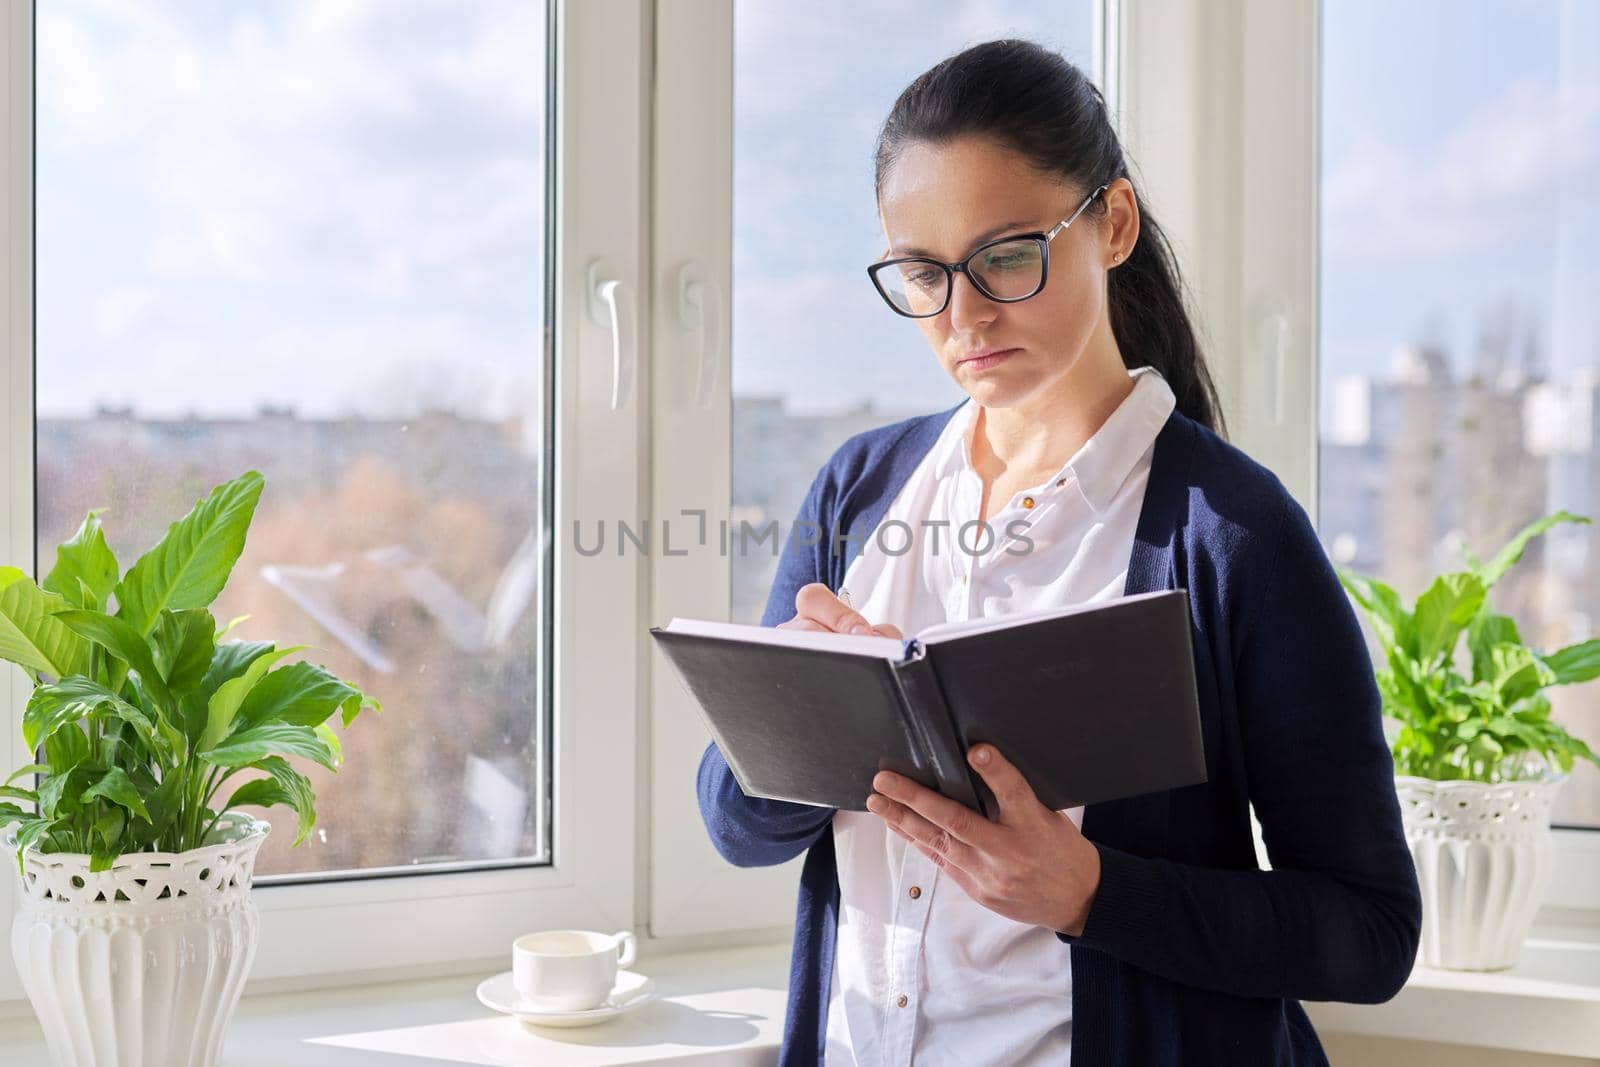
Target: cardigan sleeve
753,831
1339,915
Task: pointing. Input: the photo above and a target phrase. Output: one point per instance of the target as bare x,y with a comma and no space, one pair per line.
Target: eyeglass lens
1012,270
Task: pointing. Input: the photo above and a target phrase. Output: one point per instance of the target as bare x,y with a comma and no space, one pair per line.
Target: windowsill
1548,1003
722,1008
725,1008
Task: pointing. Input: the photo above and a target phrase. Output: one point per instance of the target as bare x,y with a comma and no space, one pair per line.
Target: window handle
700,308
611,304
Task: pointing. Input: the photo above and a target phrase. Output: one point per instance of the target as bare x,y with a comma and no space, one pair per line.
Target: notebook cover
1090,707
799,724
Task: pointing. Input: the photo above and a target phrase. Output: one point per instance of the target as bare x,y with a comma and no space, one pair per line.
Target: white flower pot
1483,855
140,965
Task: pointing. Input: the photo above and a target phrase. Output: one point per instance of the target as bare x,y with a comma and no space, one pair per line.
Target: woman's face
945,200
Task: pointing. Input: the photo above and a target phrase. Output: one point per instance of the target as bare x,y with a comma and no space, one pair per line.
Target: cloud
1501,175
288,200
124,309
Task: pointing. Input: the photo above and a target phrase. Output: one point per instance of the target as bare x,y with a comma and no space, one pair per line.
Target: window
310,240
1460,345
343,244
816,355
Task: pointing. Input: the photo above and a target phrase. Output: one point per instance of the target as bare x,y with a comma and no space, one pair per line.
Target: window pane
1460,338
817,355
309,239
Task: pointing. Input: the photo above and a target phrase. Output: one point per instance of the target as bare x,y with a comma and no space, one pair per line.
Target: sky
338,205
333,205
1461,169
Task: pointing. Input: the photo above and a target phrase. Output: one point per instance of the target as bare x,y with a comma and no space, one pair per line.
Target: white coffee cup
569,970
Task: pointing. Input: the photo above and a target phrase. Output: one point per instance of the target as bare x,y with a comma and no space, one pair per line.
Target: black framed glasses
1007,270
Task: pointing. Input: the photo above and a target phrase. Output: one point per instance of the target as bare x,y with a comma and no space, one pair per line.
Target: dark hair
1039,105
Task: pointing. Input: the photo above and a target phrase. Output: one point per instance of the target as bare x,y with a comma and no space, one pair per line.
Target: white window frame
429,923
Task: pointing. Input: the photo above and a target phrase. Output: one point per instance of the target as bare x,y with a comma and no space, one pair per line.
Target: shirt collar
1106,460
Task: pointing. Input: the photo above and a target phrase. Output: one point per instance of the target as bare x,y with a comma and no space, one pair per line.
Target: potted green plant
1477,756
137,930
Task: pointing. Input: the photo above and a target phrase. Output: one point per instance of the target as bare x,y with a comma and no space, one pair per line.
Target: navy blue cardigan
1190,954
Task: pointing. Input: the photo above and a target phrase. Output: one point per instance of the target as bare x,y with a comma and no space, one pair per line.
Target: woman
1130,933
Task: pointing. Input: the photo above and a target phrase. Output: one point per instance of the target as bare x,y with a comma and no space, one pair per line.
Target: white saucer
631,990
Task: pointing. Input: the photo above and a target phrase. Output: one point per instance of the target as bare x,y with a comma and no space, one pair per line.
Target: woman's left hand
1032,866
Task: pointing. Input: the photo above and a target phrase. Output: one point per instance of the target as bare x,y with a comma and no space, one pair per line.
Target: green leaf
105,837
124,642
55,704
1518,673
1580,749
86,598
331,739
1413,698
62,794
303,694
19,794
229,660
235,621
1575,663
171,726
66,748
353,706
115,786
1531,709
1485,747
1507,557
165,804
10,813
1444,611
31,633
1508,726
1487,630
33,829
225,702
259,793
189,566
1390,620
271,738
184,643
32,768
84,561
288,786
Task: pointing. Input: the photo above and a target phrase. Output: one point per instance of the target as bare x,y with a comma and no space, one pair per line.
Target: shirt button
916,891
902,1002
1060,482
1027,501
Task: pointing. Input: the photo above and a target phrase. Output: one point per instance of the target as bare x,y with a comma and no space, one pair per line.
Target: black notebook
1092,703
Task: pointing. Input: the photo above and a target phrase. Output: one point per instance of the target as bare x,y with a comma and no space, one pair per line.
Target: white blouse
921,972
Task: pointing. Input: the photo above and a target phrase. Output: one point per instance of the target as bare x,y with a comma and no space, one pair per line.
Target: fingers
817,603
957,820
936,842
1011,790
889,630
801,623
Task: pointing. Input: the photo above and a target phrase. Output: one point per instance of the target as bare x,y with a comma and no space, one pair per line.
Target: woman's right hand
816,608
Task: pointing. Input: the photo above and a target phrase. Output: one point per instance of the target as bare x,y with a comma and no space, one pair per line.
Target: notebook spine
928,718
